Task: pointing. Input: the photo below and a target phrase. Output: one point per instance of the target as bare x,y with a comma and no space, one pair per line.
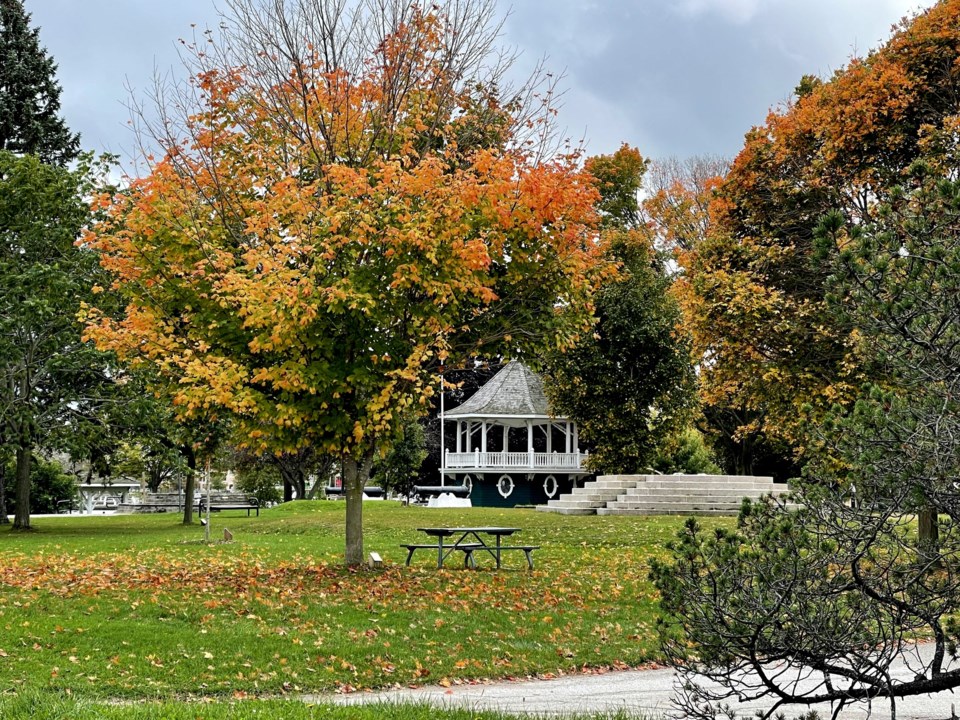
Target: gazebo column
459,435
483,437
549,427
506,442
566,437
576,439
529,443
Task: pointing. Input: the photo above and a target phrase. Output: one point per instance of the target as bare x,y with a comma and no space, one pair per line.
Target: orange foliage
312,289
752,293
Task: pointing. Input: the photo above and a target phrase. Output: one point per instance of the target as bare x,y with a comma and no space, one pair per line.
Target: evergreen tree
30,121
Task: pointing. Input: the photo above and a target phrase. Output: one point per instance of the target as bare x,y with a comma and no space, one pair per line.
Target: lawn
139,608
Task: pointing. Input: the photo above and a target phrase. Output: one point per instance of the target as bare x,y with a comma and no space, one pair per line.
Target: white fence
544,461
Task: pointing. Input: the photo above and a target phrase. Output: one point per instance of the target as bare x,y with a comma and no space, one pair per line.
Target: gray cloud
673,77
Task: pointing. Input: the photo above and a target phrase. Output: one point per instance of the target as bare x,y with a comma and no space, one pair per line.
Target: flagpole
443,458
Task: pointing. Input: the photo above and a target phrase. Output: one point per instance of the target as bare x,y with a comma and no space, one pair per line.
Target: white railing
540,461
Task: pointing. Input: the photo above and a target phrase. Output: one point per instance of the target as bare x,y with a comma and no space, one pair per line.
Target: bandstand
509,449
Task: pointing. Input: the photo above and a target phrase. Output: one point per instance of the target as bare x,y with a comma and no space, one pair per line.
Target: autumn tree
30,122
754,291
840,588
677,197
629,384
350,202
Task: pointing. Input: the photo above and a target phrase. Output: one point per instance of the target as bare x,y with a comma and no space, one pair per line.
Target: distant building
510,449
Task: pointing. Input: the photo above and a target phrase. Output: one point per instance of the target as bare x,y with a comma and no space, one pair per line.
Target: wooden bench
466,548
155,503
374,491
229,501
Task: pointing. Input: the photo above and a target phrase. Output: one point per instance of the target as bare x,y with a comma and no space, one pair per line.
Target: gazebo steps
674,509
568,511
663,495
588,506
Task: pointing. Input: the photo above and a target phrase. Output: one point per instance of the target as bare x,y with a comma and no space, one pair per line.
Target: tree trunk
4,520
928,534
323,470
191,484
355,476
21,518
287,491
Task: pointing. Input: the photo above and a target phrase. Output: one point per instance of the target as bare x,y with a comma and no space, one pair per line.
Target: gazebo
510,449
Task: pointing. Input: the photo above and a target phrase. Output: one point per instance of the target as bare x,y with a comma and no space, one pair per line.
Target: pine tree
29,92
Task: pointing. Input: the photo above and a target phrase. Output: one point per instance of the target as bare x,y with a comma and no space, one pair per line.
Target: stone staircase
663,495
593,495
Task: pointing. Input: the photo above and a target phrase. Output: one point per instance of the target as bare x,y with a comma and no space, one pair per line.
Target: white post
483,437
566,437
459,434
549,427
506,443
529,443
443,450
206,527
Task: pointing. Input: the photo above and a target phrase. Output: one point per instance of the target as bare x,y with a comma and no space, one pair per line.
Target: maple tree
753,291
339,217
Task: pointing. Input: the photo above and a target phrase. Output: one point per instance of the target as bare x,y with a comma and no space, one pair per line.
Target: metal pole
206,528
443,457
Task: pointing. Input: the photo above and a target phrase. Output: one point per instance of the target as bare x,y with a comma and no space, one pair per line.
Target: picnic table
469,541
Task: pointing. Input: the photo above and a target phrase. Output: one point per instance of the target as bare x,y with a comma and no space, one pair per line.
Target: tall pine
30,121
39,206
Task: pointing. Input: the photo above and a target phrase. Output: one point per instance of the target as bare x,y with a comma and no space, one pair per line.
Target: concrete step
690,505
561,502
684,497
698,484
714,479
614,511
600,497
614,482
567,511
704,492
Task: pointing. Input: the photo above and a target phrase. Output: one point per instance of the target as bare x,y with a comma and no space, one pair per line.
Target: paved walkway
643,693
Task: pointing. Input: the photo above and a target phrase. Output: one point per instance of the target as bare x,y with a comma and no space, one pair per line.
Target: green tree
399,469
45,367
686,452
261,481
630,383
49,486
30,122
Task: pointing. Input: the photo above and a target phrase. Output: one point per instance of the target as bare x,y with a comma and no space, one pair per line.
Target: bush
686,452
49,484
261,481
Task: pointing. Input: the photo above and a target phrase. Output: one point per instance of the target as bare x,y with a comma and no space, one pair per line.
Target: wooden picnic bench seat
229,501
466,548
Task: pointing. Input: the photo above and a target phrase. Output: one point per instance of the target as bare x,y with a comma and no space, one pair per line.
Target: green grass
37,706
136,607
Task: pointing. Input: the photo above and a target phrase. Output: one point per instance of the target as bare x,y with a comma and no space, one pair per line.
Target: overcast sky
671,77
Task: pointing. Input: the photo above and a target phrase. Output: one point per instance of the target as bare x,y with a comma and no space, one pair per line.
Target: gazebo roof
514,392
